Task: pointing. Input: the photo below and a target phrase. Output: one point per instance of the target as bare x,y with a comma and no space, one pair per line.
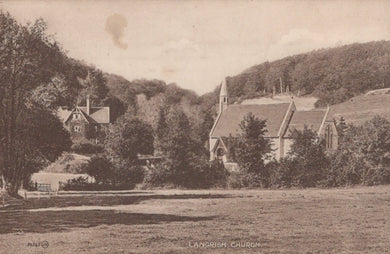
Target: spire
223,92
223,97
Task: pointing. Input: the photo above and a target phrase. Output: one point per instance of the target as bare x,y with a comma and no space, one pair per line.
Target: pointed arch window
329,137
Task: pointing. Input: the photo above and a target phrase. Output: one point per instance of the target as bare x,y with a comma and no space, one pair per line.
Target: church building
280,119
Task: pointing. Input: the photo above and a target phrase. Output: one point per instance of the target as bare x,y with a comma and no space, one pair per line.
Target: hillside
302,103
333,75
68,163
364,107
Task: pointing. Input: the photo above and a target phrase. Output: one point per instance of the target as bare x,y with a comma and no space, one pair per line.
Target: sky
196,44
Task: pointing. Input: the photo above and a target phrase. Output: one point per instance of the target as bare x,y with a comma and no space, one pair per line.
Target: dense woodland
150,116
333,75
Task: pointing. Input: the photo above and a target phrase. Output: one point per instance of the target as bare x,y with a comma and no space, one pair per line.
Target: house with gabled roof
86,121
281,119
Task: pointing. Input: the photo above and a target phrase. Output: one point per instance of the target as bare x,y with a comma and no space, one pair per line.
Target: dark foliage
101,169
117,107
334,75
128,137
87,148
363,156
306,164
240,179
252,148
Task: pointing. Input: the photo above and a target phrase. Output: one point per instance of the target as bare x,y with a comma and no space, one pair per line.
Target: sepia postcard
166,126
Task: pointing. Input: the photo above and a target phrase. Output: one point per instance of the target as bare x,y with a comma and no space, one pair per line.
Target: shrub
215,175
87,148
238,180
363,157
100,168
283,173
307,159
126,175
157,176
77,184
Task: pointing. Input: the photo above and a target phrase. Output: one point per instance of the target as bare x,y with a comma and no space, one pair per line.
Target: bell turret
223,97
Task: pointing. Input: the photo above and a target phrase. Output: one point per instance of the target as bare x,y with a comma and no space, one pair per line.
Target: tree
94,86
128,137
161,130
252,148
183,156
100,168
51,95
117,107
309,160
363,156
177,146
28,59
40,139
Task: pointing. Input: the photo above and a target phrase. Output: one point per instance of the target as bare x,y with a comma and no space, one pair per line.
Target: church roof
230,119
313,119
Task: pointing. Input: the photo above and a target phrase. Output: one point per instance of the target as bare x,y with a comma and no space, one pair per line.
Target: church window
329,137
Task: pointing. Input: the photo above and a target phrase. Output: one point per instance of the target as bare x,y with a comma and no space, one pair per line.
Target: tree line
362,157
333,75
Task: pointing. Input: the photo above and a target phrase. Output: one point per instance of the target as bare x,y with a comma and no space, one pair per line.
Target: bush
126,176
201,175
363,157
28,184
238,180
157,176
214,175
78,184
87,148
100,168
82,184
283,173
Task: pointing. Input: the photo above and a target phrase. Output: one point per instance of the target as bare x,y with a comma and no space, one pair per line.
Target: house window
76,116
97,141
96,128
77,128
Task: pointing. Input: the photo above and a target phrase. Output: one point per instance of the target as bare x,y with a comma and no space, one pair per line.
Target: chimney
88,105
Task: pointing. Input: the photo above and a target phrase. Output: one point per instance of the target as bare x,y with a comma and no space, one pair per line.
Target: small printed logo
43,244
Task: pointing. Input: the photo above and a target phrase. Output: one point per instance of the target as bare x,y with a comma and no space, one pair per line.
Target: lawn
355,220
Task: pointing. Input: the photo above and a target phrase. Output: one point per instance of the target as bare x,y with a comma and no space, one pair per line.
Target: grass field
355,220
